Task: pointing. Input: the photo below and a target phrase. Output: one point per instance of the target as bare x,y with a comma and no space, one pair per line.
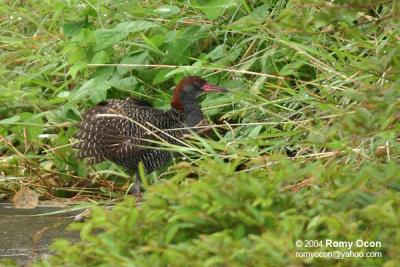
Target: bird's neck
192,110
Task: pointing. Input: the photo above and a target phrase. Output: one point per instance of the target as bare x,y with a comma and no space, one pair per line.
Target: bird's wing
138,102
127,102
109,129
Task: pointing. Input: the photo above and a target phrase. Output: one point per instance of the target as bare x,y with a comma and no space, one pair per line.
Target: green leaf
95,88
141,58
217,53
99,93
157,39
35,126
10,120
255,132
100,58
78,55
292,68
72,28
167,10
161,76
108,37
152,45
125,83
75,69
215,8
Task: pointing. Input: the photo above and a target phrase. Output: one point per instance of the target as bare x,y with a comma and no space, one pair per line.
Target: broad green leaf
215,8
168,10
78,55
72,28
75,69
127,83
141,58
96,89
10,120
100,58
108,37
217,53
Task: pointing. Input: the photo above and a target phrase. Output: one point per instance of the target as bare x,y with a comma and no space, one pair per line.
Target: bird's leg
136,185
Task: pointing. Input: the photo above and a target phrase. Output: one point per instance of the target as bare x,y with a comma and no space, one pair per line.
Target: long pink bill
213,88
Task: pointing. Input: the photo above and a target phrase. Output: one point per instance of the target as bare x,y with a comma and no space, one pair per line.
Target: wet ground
27,233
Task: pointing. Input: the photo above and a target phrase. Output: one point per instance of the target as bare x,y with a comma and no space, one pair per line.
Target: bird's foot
137,192
87,214
81,217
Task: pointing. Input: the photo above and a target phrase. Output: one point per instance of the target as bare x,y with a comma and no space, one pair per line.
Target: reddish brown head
189,88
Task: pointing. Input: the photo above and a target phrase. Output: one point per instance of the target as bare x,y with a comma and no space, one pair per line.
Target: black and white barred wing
110,129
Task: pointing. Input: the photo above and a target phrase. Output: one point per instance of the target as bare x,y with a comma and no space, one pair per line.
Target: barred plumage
124,131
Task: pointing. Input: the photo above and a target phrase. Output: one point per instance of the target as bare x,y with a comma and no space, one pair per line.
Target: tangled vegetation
305,146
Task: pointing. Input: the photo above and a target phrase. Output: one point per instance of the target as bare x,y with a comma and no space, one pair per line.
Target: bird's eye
198,84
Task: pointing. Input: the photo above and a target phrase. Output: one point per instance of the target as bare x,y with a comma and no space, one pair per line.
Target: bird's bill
213,88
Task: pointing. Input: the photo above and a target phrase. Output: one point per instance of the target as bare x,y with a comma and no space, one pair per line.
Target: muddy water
25,235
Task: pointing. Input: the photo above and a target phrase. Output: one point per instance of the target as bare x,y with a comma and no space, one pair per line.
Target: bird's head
189,88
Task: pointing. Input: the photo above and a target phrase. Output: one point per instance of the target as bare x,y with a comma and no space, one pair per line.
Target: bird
128,132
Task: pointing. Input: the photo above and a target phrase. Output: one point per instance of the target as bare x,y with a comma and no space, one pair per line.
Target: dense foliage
305,146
